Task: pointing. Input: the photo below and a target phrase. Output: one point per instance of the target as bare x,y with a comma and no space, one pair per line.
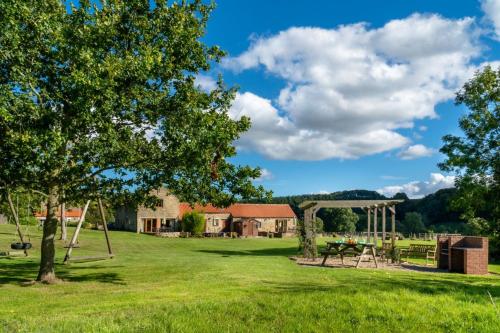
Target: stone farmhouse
165,217
244,219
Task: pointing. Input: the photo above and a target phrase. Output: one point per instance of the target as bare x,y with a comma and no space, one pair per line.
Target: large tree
339,219
413,223
475,156
99,99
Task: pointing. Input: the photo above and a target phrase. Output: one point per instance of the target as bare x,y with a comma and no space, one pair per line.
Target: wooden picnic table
340,248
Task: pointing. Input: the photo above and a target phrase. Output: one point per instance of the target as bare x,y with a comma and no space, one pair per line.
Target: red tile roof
71,213
262,210
243,210
184,208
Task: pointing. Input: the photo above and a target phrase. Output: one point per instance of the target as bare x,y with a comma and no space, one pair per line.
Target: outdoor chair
385,251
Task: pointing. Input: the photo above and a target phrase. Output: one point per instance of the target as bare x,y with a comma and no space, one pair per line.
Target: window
215,223
159,203
259,225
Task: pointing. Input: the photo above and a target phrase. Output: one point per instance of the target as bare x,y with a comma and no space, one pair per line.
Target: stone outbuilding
264,218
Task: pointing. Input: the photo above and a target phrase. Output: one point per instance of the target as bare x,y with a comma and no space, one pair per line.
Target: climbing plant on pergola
312,207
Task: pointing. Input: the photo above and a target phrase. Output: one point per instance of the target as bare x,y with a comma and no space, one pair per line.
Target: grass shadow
269,252
461,287
418,278
18,272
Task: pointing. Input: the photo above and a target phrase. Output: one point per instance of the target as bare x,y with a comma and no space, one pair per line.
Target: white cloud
264,175
348,90
491,9
205,82
422,128
419,189
415,151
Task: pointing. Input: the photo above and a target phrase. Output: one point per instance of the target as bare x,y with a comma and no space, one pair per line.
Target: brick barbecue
463,254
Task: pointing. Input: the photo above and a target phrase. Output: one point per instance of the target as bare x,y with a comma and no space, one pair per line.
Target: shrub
28,220
194,223
319,225
87,225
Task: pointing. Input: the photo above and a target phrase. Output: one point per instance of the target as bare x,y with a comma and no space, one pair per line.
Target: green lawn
233,285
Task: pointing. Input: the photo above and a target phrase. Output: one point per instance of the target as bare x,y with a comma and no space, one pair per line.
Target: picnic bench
420,251
343,248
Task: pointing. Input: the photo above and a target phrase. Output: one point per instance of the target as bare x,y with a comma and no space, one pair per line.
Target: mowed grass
232,285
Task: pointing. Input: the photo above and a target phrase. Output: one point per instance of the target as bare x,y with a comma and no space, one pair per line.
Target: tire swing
23,244
74,239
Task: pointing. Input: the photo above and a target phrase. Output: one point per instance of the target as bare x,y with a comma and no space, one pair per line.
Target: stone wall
129,218
269,224
221,220
169,210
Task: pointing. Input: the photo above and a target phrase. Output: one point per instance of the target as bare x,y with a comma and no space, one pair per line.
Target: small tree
194,223
475,156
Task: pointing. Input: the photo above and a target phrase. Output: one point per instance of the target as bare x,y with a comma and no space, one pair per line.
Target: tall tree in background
475,157
339,219
413,223
101,98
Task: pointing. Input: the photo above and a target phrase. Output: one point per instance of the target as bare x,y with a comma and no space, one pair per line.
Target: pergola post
375,222
368,213
310,250
393,226
383,224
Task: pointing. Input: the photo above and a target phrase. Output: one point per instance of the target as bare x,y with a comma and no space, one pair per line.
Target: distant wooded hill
435,208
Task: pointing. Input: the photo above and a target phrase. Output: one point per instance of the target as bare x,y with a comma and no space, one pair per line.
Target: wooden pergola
312,207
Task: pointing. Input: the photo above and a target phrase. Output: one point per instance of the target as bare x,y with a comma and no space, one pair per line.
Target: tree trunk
64,232
47,273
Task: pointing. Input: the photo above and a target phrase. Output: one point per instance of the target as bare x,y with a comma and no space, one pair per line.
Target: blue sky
350,94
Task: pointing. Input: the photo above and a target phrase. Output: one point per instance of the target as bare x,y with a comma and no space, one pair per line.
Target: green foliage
453,228
82,92
25,203
319,225
413,223
475,156
93,215
478,226
339,219
87,225
301,234
28,220
194,223
101,100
